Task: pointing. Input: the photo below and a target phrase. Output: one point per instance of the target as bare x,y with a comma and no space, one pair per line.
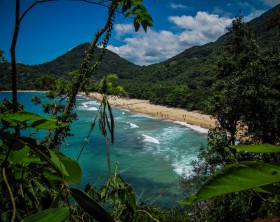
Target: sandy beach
143,106
175,114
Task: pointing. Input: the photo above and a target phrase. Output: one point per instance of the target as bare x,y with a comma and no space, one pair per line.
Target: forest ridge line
191,72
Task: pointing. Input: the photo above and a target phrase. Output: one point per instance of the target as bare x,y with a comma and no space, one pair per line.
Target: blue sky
51,29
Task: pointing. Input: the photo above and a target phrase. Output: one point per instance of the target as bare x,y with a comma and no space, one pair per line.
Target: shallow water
151,152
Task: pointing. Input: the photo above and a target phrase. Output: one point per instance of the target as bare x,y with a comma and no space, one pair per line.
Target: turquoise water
152,153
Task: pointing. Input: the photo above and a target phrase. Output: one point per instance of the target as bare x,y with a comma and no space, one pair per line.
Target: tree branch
84,67
31,6
13,56
10,194
100,3
85,70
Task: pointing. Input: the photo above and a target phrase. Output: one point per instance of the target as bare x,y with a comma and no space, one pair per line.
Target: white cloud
123,29
202,28
202,21
177,6
271,3
151,47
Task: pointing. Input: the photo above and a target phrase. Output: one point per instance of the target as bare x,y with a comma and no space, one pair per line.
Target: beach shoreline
178,115
143,106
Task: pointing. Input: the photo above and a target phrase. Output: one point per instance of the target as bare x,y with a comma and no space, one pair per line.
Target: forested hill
64,64
70,61
181,81
185,79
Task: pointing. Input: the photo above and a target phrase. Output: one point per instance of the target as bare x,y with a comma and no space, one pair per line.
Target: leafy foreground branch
241,176
41,182
40,178
240,183
35,173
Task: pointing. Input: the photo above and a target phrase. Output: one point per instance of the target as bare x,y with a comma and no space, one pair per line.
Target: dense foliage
245,102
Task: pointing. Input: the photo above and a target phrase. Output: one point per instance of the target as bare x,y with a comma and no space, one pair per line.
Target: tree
36,176
246,95
230,97
106,86
18,18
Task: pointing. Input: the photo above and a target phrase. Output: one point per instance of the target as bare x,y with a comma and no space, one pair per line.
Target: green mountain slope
194,69
70,61
187,76
63,65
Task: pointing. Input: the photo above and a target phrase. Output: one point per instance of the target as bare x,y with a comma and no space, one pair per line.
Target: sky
51,29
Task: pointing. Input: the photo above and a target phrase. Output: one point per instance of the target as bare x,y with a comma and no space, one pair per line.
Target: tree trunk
13,56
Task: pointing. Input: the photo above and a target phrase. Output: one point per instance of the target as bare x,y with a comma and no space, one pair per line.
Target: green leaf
136,25
258,148
236,177
90,205
18,156
128,14
51,214
72,167
32,159
23,116
57,165
37,121
103,191
47,124
125,7
6,121
54,180
117,182
144,24
19,172
57,161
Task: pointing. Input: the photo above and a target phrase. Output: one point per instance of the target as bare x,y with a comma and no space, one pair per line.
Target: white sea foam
124,110
143,115
195,128
91,102
172,133
89,105
84,107
181,168
81,108
92,109
150,139
132,125
168,120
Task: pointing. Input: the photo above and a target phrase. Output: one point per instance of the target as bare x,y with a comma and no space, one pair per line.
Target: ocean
152,153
